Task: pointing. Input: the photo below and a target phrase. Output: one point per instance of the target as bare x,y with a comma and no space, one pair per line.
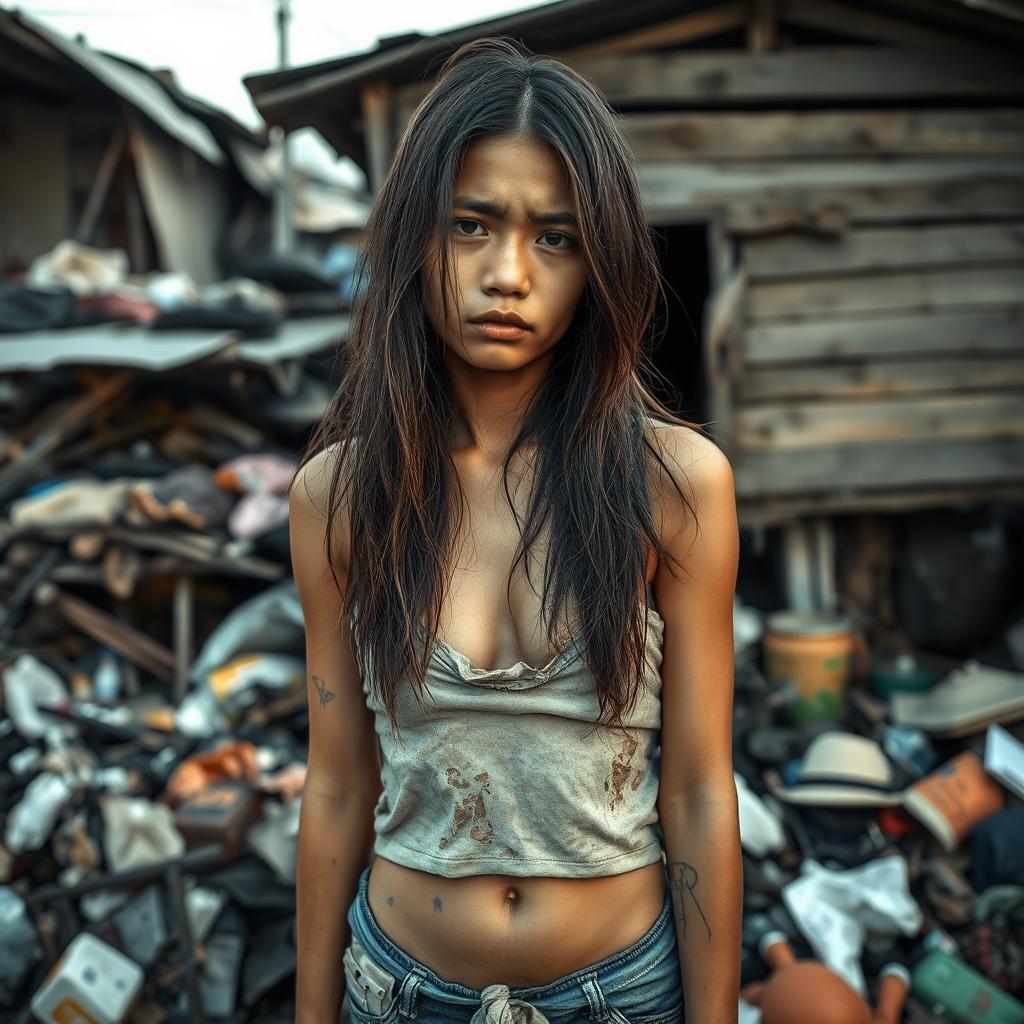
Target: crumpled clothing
233,759
836,910
257,473
257,514
74,503
497,1006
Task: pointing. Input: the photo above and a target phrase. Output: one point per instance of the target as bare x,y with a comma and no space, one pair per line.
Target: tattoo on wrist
326,696
683,879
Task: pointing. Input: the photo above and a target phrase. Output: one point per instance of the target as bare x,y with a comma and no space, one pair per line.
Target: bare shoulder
696,465
309,495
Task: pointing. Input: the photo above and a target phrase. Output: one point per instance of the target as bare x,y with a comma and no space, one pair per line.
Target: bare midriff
480,930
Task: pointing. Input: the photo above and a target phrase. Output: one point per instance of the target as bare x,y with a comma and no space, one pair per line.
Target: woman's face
515,248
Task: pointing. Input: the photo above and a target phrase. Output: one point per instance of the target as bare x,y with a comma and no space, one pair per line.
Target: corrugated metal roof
119,344
139,87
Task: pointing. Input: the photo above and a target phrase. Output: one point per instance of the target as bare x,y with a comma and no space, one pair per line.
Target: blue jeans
640,984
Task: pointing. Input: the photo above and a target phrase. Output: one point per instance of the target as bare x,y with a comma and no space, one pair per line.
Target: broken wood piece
122,567
14,477
183,621
118,636
197,547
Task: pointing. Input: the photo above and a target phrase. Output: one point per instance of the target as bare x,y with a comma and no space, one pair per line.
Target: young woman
516,570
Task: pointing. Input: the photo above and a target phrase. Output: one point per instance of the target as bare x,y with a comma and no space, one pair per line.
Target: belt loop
595,997
408,992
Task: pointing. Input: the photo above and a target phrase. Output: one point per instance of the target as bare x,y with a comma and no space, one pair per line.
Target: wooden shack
839,190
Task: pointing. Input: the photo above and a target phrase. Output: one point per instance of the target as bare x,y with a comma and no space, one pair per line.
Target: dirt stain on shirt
471,808
620,769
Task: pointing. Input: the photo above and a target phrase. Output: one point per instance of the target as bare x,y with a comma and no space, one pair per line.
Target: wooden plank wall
877,358
888,356
866,346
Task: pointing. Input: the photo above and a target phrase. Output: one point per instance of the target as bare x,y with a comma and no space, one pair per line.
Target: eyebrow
495,210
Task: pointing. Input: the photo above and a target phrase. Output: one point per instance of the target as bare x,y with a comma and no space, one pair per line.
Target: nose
509,269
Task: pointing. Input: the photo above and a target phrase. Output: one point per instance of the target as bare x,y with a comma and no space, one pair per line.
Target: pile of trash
154,730
152,845
75,285
153,734
882,824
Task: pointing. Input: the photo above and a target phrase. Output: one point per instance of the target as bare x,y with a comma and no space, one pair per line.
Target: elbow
717,791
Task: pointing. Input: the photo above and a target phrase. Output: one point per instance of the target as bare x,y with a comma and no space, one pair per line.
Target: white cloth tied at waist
497,1006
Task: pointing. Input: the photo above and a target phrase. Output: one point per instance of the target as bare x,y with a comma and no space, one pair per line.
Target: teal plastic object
950,988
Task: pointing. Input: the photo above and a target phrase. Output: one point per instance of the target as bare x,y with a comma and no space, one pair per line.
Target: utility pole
284,232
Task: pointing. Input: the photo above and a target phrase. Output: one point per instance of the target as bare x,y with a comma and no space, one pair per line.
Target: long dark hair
388,422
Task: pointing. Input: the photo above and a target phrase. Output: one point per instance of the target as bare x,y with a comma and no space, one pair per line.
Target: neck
490,404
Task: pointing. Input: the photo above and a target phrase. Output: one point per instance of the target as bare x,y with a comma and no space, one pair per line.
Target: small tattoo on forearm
437,904
391,901
326,696
683,879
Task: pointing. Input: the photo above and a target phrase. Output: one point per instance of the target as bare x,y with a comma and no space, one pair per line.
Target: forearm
335,844
705,871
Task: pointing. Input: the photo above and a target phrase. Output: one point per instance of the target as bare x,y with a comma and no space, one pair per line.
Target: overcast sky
211,44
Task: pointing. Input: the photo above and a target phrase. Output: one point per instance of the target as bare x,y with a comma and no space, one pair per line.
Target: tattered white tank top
504,773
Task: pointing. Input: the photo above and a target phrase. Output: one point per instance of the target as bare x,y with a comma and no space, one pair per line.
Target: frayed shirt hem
520,867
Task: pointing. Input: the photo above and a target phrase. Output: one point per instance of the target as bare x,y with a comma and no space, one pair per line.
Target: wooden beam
958,16
813,74
875,248
964,463
184,616
722,328
101,187
800,134
843,19
976,285
838,380
826,196
892,336
769,510
763,26
676,32
377,129
79,411
808,424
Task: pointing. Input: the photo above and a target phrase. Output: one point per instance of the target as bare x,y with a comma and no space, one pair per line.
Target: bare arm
697,801
343,778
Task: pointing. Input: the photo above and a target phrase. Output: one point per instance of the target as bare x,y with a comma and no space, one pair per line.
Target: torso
484,929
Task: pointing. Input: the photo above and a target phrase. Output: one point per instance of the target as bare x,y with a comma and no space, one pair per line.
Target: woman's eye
464,220
568,240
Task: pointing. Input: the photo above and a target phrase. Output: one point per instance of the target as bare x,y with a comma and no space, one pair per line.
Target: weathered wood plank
875,379
810,424
763,27
753,135
815,73
774,510
851,21
914,290
830,195
881,337
844,468
796,255
676,31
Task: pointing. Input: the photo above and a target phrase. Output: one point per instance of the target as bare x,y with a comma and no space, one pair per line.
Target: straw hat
841,769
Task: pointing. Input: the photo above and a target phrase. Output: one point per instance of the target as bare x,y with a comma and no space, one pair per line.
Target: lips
504,317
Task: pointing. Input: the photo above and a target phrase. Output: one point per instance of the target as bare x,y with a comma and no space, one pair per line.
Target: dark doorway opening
678,352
